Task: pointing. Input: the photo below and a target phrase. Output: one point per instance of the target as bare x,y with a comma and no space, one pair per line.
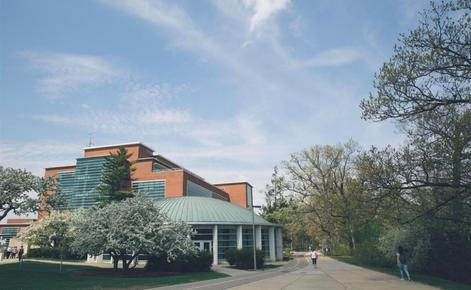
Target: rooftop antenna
90,143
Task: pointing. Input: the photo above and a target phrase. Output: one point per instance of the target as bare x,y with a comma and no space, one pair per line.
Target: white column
258,237
279,244
239,237
271,242
215,245
99,258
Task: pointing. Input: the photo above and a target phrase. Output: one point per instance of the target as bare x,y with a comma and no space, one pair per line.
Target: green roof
207,210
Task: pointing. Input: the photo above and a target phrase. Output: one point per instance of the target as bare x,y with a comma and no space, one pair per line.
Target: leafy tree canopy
430,67
17,190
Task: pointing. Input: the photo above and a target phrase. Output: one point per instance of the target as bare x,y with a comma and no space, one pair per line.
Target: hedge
243,258
53,253
199,262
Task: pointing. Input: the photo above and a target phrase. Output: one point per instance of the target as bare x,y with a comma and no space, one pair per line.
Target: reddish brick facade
175,176
238,192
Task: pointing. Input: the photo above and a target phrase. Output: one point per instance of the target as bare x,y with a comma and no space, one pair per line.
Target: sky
227,89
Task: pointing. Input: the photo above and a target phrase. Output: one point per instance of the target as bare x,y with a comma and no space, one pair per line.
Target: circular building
221,225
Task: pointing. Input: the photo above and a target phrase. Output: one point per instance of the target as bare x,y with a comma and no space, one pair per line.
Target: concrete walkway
334,275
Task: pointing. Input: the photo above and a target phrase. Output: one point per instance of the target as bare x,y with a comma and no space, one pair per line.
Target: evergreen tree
116,177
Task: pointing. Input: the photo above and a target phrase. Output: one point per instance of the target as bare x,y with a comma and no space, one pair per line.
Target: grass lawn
426,279
41,275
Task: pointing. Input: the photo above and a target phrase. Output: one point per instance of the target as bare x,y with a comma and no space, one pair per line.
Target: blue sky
227,88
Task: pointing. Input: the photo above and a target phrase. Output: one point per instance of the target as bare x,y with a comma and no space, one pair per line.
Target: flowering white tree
51,231
128,228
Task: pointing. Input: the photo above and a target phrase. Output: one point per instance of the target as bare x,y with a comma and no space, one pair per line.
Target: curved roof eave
207,210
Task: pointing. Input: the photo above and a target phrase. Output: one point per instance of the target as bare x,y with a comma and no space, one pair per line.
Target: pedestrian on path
314,255
13,253
401,259
20,253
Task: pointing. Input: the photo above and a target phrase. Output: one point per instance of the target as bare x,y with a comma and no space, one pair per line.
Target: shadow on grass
426,279
41,275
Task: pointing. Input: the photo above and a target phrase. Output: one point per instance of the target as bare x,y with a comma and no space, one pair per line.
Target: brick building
220,213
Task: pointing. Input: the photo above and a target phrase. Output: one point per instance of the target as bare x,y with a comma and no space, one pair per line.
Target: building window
205,234
193,189
247,237
65,186
265,243
155,189
249,196
227,239
156,167
8,233
79,187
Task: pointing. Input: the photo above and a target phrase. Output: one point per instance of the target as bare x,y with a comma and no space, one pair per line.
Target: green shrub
199,262
243,258
230,256
439,248
53,253
287,255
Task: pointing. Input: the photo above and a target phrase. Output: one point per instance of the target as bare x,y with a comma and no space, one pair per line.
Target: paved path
300,275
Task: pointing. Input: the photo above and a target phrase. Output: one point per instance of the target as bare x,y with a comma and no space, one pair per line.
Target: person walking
6,253
314,256
20,253
401,260
13,253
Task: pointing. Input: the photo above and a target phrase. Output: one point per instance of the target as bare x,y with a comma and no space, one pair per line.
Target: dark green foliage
230,256
367,247
243,258
199,262
116,177
53,253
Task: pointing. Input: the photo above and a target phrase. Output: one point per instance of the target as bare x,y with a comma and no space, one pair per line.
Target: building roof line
118,145
62,166
185,169
233,183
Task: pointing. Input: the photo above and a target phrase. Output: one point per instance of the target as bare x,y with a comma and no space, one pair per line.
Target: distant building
220,213
11,229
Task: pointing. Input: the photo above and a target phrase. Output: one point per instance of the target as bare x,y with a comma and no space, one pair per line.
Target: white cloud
332,57
185,34
263,10
62,73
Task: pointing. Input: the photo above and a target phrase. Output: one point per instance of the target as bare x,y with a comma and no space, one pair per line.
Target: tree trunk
457,204
125,264
115,261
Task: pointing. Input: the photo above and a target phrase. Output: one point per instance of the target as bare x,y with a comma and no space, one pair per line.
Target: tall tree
274,190
325,177
116,177
426,86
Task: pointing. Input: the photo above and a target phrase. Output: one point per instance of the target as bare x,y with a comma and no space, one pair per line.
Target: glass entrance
203,245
